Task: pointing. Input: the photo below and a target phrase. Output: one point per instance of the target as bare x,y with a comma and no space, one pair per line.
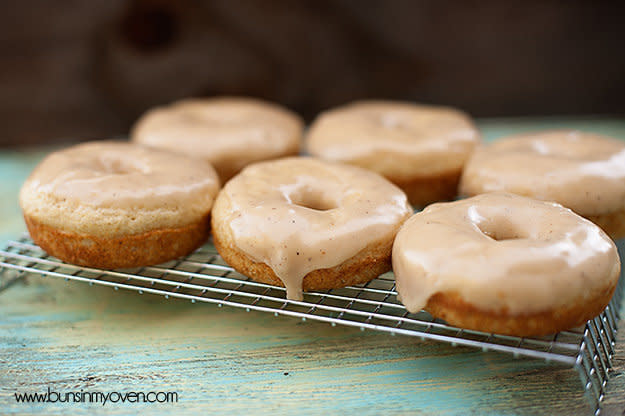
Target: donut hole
314,199
501,230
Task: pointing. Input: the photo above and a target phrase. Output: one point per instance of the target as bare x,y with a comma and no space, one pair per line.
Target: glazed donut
115,205
228,132
505,264
420,148
307,224
582,171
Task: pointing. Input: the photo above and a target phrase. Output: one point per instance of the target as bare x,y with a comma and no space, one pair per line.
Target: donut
228,132
582,171
422,149
117,205
504,263
307,224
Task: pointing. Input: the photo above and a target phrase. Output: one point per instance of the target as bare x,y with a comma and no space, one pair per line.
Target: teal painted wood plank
71,336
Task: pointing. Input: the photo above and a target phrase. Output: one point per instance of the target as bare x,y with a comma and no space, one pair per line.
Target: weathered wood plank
70,336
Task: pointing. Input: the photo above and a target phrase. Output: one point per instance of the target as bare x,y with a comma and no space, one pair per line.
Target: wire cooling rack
204,277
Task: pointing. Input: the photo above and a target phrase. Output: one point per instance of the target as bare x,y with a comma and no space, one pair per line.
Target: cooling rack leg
594,361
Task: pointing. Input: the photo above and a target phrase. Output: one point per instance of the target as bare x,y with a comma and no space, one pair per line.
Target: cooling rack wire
204,277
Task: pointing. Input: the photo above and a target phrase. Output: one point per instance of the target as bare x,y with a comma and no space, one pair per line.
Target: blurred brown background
87,69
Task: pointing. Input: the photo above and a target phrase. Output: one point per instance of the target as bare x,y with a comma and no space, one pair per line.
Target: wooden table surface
68,336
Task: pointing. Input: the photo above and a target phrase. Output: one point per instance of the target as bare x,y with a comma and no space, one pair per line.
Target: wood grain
71,336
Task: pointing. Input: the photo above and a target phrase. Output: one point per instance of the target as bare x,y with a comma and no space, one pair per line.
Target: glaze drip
300,214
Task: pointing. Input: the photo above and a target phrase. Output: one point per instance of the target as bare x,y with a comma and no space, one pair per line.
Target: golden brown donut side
368,264
457,312
152,247
510,264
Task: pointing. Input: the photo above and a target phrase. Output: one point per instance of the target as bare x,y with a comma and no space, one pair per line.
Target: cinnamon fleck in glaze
298,215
